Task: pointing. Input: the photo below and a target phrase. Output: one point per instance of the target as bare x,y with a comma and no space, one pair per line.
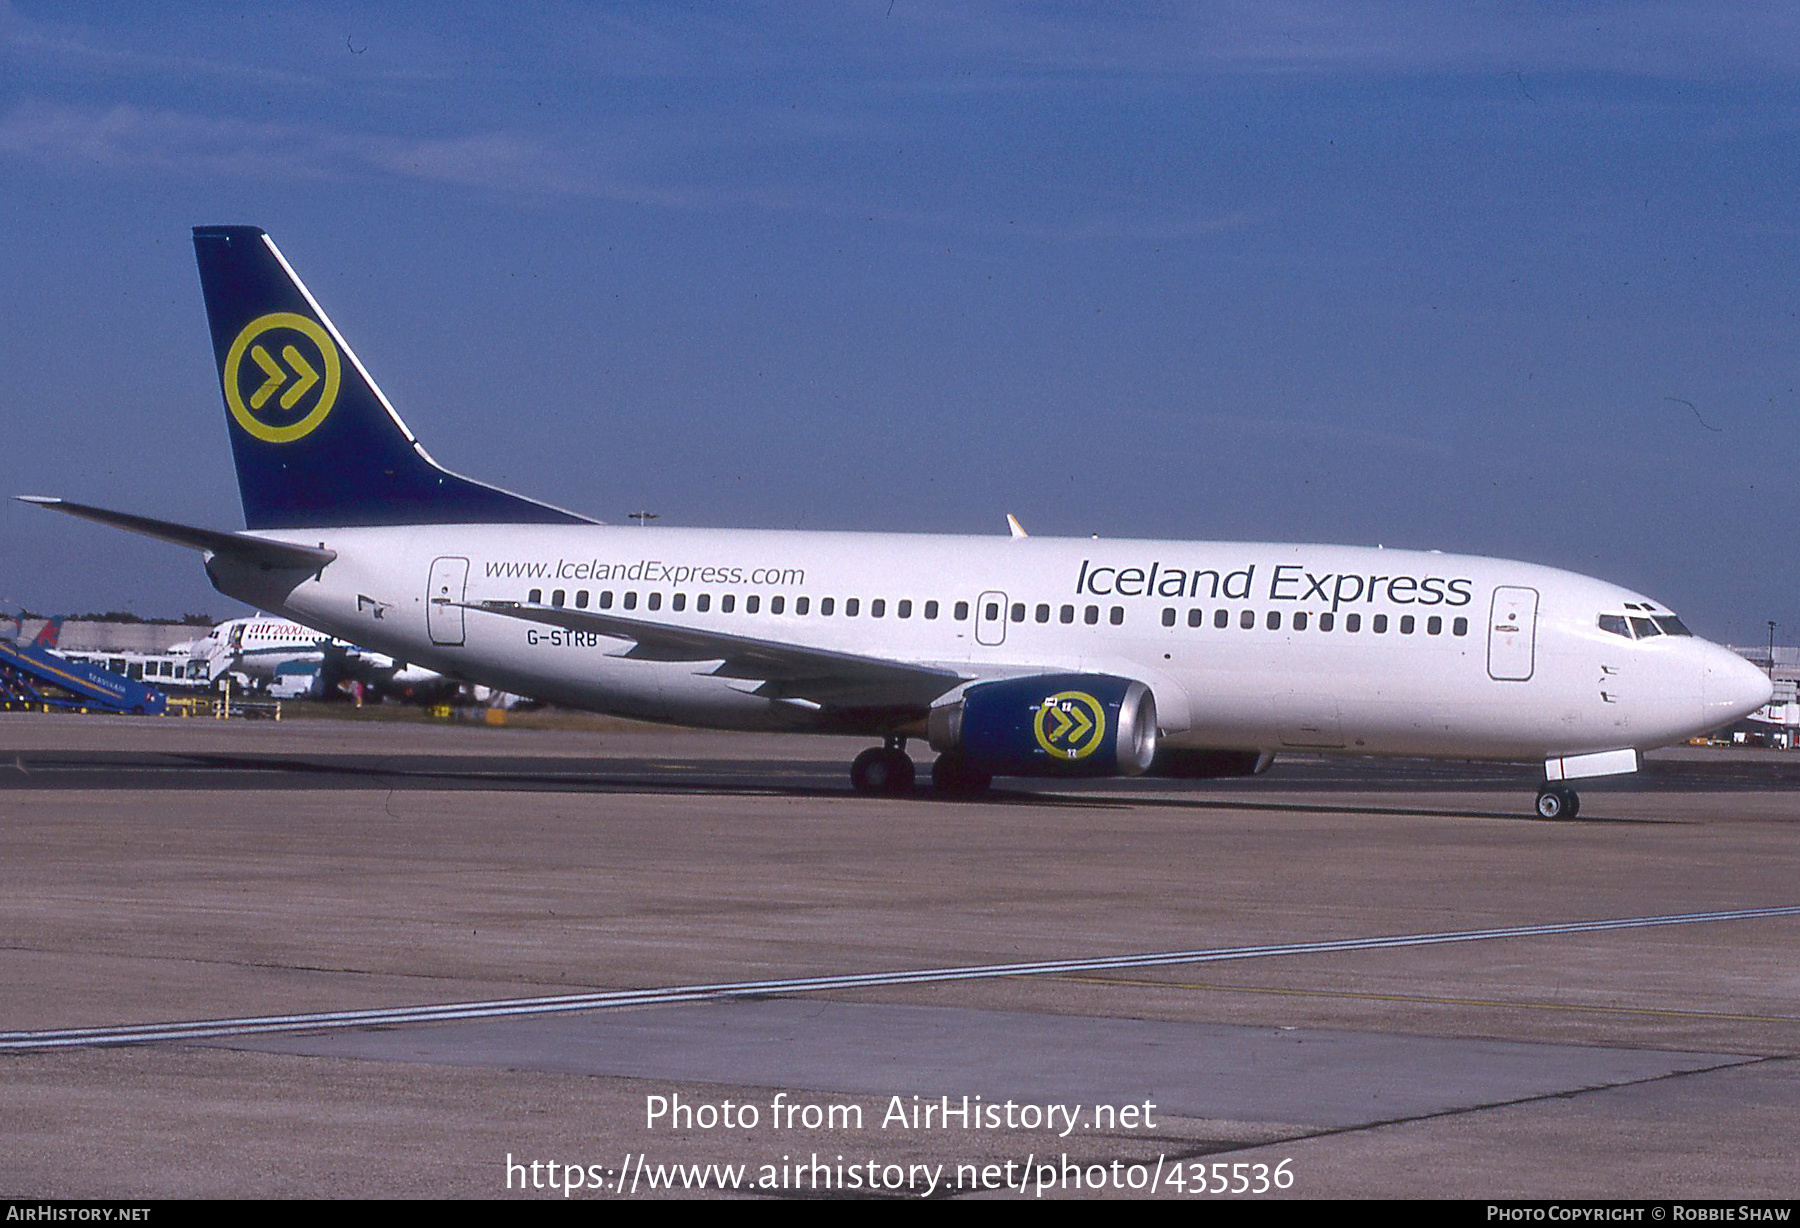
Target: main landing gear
883,769
954,776
1558,802
888,770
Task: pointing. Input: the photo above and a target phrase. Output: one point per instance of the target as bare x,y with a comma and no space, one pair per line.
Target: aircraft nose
1732,687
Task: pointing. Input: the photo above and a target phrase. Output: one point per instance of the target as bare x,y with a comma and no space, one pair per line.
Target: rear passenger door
449,581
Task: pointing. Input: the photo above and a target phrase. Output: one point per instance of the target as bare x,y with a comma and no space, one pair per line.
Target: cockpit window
1636,626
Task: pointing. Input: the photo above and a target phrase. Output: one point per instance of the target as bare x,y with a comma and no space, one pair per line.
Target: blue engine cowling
1051,725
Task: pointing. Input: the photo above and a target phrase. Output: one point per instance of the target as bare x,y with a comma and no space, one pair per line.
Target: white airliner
1011,655
259,648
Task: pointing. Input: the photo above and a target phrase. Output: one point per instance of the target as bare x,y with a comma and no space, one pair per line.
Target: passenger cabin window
802,604
678,602
703,602
1043,612
1117,616
777,605
1353,622
877,608
826,606
1327,621
1246,619
931,609
1300,620
992,613
606,599
1460,627
727,603
1379,624
556,599
1273,620
1066,614
1434,625
630,601
1168,616
656,601
1221,619
1091,615
1406,624
904,609
852,605
535,597
581,599
1018,611
961,612
751,604
1196,617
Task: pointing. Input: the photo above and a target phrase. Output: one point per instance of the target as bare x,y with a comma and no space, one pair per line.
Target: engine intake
1051,725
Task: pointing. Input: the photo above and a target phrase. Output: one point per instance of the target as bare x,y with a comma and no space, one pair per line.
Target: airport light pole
1771,649
644,519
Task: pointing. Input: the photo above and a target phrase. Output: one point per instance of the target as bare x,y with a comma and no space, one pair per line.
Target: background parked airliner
257,649
1012,656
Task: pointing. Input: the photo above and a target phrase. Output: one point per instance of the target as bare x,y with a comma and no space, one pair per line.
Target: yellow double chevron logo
1070,724
298,368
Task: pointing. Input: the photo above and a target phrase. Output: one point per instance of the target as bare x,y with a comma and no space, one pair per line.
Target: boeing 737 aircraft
1023,656
259,649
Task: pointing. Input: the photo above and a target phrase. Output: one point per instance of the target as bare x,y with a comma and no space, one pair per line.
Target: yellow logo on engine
281,377
1070,724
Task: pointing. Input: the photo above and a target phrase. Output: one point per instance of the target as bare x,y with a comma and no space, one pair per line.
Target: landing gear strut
883,769
1558,802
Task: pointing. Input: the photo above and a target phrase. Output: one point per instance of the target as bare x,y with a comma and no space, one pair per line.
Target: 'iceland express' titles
1285,582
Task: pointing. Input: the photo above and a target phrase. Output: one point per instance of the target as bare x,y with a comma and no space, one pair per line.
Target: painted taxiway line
145,1033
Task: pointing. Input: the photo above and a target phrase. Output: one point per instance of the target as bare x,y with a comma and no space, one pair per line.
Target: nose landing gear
1558,802
883,769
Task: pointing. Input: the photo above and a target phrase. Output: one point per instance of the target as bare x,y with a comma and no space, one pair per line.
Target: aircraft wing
258,550
786,671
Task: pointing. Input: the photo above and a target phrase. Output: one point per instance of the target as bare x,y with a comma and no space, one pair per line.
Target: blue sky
1504,279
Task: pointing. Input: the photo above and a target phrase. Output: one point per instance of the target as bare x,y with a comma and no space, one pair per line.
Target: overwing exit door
990,619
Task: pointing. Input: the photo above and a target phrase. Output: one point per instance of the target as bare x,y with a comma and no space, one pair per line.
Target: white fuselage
258,647
1321,647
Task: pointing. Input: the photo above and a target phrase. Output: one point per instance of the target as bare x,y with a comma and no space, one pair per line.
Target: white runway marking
144,1033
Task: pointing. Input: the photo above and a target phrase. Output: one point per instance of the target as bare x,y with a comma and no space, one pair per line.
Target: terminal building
1778,723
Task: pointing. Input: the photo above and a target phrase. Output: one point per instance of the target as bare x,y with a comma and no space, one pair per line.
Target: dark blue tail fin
316,443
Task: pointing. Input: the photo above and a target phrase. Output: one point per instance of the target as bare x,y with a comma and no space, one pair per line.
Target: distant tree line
124,616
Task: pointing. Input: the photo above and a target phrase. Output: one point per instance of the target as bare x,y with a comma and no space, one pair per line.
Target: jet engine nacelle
1051,725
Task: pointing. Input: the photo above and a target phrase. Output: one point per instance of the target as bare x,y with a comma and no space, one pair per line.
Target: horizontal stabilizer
256,550
789,671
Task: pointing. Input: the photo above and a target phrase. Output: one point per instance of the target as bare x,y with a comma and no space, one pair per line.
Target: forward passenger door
1512,634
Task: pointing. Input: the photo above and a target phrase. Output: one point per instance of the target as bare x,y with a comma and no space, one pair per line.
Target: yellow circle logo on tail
1070,724
281,377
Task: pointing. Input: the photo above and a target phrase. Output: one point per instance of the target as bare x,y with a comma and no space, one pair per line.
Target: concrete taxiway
167,871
